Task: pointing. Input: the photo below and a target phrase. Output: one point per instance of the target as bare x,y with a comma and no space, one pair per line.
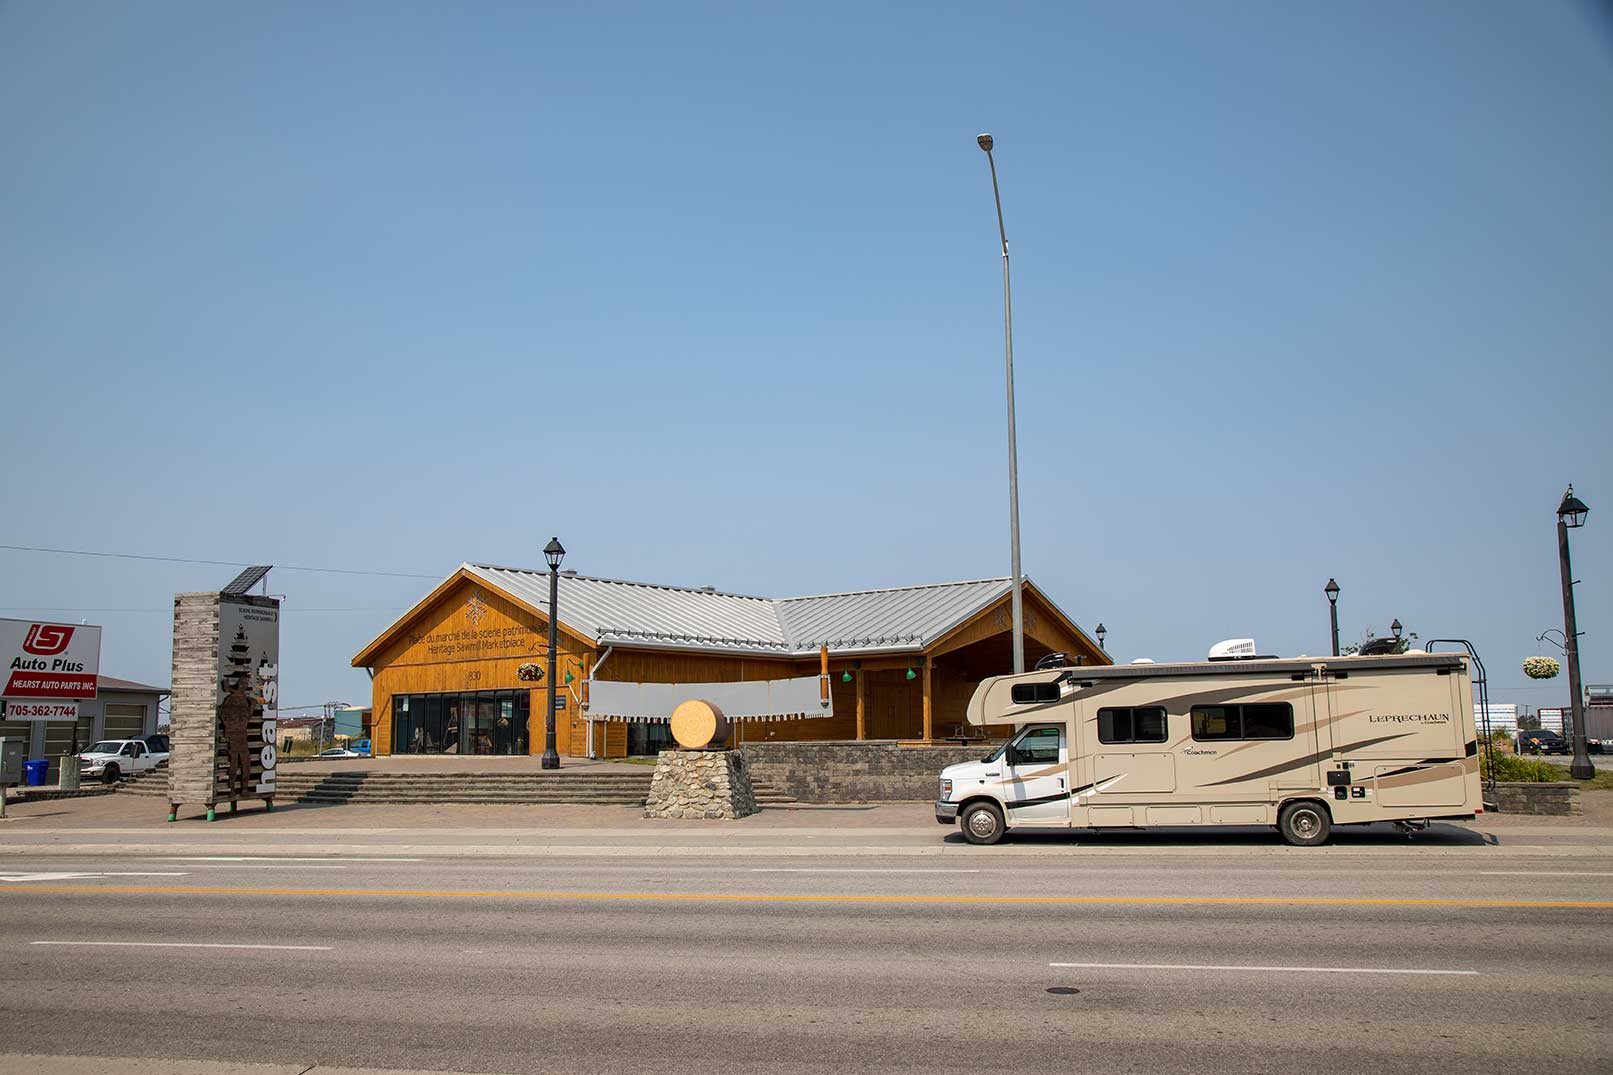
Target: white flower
1541,667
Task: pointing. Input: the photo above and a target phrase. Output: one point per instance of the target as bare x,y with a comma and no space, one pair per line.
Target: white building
1503,717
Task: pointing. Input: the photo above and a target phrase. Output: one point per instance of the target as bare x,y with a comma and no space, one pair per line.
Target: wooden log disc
697,725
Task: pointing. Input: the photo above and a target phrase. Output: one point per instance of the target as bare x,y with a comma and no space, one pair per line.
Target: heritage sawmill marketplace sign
49,668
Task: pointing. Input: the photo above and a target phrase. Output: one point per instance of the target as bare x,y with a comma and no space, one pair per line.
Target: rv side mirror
1011,756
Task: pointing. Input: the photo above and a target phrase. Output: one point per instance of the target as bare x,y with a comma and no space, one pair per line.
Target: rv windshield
998,753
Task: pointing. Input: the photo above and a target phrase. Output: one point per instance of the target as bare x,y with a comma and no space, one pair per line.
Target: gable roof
112,683
903,619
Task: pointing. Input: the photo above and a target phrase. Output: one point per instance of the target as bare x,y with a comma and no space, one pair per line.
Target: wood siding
454,645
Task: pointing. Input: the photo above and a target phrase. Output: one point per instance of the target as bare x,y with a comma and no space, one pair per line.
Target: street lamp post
985,143
1332,591
1571,515
553,552
1102,632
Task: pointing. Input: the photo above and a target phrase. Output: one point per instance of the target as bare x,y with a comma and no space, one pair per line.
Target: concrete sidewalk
132,825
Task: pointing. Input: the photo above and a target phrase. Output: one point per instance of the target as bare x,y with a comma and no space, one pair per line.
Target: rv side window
1142,724
1027,693
1257,720
1039,746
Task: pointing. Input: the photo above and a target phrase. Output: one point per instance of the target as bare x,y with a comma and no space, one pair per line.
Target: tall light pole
985,143
1332,591
553,552
1571,515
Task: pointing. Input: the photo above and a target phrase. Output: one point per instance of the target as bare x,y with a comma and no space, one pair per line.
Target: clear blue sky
1301,291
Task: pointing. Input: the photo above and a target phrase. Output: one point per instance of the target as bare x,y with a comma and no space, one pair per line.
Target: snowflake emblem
475,609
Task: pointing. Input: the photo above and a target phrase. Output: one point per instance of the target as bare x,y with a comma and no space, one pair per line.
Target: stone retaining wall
1556,798
876,770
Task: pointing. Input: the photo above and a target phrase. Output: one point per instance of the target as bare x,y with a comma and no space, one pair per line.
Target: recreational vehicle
1300,743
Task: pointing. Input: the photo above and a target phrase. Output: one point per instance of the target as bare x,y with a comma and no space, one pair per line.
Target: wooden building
903,662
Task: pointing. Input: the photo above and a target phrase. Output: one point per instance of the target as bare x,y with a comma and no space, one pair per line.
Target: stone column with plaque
225,700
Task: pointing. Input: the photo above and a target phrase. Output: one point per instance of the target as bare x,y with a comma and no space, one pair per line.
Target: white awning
745,701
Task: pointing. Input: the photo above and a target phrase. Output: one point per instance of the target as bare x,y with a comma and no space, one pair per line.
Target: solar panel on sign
247,579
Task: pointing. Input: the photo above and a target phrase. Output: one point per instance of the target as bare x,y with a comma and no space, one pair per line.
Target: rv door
1036,768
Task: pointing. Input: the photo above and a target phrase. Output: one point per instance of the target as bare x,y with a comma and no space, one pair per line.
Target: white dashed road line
184,944
1300,970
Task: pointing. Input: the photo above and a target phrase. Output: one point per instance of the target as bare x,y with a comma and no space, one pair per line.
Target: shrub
1510,767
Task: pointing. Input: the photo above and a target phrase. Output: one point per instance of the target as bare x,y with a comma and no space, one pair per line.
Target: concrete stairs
628,788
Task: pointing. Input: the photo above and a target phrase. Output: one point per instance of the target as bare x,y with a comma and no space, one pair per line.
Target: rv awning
750,700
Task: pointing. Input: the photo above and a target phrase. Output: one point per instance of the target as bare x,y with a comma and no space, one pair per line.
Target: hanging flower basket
529,672
1541,667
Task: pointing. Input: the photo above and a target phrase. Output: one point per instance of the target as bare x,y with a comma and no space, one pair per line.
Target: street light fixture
1395,628
985,143
1332,591
553,552
1571,515
1101,632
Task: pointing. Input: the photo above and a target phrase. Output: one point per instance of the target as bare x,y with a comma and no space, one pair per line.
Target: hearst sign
50,667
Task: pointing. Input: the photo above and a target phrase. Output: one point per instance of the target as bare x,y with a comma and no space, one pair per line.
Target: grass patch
1513,769
631,761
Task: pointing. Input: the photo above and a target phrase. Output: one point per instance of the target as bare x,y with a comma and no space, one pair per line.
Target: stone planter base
1559,798
711,784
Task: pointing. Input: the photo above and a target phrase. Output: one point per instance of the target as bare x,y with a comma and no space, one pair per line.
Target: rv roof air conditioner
1236,649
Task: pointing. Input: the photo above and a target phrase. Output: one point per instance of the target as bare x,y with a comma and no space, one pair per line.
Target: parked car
339,752
1541,741
112,759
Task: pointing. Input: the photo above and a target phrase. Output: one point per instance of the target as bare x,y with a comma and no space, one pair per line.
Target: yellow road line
718,897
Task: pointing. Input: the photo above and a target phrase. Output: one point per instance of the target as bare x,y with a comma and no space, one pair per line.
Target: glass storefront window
469,722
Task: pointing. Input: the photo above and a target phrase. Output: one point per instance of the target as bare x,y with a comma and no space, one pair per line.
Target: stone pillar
712,784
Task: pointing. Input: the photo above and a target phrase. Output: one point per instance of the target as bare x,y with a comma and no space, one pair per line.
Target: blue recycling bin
33,773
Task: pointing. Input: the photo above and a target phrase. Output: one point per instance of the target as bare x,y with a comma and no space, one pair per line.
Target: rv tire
1305,823
982,823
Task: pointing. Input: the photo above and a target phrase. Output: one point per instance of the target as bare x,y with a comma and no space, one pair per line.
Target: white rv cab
1303,744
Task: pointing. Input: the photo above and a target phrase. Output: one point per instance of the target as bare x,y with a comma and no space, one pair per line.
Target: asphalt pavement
824,941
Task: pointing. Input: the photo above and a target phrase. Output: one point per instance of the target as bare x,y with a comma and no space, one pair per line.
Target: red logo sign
47,639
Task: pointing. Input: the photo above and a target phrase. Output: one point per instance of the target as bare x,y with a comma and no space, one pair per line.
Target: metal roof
112,683
882,619
611,611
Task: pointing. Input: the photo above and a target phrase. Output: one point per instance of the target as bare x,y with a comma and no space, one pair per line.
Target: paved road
859,955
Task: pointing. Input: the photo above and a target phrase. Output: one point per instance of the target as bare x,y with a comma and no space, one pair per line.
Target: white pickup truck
112,759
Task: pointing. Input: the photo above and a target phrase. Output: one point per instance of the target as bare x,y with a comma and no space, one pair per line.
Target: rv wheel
1305,824
982,824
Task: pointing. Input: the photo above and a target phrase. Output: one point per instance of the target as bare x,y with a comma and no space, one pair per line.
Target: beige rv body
1374,739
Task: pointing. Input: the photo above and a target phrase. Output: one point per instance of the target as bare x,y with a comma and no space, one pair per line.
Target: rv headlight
946,788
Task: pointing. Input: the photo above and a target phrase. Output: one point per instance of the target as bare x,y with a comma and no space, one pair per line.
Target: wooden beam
862,726
929,731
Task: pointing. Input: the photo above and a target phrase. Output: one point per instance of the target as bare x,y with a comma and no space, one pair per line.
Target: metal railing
1481,694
